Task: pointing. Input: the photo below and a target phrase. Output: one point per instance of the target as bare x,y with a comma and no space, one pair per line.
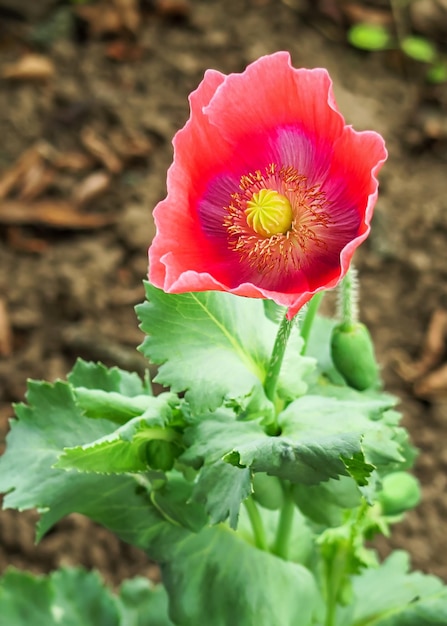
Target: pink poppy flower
270,192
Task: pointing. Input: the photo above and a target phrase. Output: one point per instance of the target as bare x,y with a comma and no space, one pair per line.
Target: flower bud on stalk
400,492
161,454
353,355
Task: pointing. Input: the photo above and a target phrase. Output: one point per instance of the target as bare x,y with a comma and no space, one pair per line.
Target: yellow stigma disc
269,213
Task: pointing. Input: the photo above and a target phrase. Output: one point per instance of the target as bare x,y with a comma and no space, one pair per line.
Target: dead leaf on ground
91,187
51,213
433,385
11,178
100,150
17,240
5,330
428,380
36,180
129,147
432,351
29,67
73,161
122,50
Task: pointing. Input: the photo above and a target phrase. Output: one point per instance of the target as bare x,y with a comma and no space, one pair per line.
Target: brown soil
67,292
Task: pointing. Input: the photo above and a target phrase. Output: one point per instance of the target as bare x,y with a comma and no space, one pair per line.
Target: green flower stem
347,306
271,380
256,524
285,524
306,324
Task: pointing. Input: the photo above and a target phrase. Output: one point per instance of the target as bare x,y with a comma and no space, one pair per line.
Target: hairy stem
271,380
348,299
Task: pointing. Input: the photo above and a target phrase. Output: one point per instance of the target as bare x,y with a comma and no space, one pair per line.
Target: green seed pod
268,491
400,492
353,355
160,454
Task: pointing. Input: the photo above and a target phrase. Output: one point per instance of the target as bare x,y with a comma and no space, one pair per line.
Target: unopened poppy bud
160,454
353,355
268,491
400,492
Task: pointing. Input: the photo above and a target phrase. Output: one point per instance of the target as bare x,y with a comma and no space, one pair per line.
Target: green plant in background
375,37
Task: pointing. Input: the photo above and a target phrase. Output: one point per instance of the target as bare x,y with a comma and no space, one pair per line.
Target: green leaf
217,574
390,596
321,438
357,468
71,597
111,405
98,376
68,597
369,36
419,49
50,423
173,501
222,488
143,604
213,345
313,415
326,503
211,439
124,449
299,455
216,347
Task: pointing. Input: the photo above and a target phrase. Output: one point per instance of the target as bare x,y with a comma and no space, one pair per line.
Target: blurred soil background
91,94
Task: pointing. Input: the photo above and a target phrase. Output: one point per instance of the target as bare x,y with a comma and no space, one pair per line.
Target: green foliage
437,73
169,473
203,346
97,376
218,574
367,36
419,49
129,448
374,37
71,597
389,596
326,504
51,422
222,487
303,453
215,346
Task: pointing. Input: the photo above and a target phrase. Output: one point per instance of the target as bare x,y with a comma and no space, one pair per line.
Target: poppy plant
270,192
